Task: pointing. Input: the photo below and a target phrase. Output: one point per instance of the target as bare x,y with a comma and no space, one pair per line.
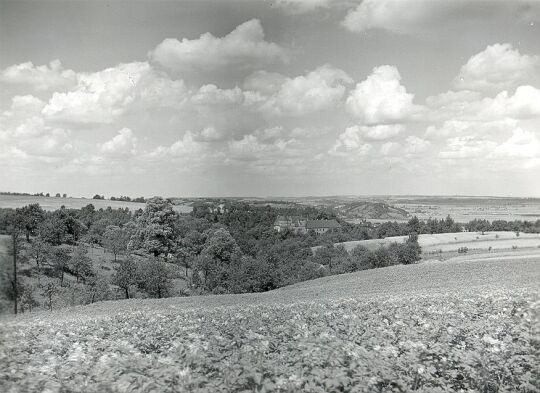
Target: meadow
429,327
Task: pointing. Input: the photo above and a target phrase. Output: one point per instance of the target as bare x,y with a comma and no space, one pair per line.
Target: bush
463,250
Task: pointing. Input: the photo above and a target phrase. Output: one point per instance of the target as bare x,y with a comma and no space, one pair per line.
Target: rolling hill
439,326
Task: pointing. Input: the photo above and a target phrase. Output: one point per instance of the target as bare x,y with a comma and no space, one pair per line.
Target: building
322,226
300,225
295,224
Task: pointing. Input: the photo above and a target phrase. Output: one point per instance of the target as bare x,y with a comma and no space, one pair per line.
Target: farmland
447,242
441,326
53,203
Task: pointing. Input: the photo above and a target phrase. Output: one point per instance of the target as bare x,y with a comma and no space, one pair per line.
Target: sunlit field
427,327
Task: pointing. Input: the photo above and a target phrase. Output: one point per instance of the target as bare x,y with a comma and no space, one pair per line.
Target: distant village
301,225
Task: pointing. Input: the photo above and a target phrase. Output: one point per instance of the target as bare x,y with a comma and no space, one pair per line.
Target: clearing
440,326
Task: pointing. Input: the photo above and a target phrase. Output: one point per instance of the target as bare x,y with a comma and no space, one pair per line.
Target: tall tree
156,230
31,216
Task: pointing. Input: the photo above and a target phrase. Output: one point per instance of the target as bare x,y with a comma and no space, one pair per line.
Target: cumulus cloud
43,77
244,47
467,127
184,149
103,96
522,144
350,140
498,67
122,145
381,98
416,145
320,89
100,97
466,147
421,16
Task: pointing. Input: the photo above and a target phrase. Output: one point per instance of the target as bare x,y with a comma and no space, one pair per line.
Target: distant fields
440,326
465,209
453,241
52,203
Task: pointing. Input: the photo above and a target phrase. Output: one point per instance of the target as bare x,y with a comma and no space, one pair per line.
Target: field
52,203
432,327
451,242
465,209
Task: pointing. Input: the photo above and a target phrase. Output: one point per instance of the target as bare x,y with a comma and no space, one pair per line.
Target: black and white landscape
269,196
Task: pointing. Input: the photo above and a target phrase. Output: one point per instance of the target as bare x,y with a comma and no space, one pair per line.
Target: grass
430,327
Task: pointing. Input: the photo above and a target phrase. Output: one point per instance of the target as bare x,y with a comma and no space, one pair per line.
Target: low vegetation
445,327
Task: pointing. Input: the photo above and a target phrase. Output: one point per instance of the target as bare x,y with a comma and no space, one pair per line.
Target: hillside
418,326
372,210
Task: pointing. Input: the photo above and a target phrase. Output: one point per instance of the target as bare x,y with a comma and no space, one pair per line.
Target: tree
220,250
126,276
80,264
188,248
30,216
115,240
40,251
156,229
153,278
60,262
15,228
98,288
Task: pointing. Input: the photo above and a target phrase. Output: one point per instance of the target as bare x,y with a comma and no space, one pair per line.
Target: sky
270,98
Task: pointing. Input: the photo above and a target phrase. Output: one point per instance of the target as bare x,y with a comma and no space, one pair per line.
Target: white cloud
122,145
390,148
43,77
466,147
524,103
400,16
427,16
522,144
303,6
381,98
466,127
244,47
415,145
186,149
350,140
100,97
213,95
274,94
498,67
381,132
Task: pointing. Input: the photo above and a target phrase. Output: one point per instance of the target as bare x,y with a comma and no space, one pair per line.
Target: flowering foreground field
430,335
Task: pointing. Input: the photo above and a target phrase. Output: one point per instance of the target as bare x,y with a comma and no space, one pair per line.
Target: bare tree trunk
127,292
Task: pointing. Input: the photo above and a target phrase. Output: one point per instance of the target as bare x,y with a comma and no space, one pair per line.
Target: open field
52,203
453,241
441,326
465,209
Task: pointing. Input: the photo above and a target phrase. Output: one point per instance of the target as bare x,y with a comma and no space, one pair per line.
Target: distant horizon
52,195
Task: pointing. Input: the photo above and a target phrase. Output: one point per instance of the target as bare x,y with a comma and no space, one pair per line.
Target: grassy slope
449,325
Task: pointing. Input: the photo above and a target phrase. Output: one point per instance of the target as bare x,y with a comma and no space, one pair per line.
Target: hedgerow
473,342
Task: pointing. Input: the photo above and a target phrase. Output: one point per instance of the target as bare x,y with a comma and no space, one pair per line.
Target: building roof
318,224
